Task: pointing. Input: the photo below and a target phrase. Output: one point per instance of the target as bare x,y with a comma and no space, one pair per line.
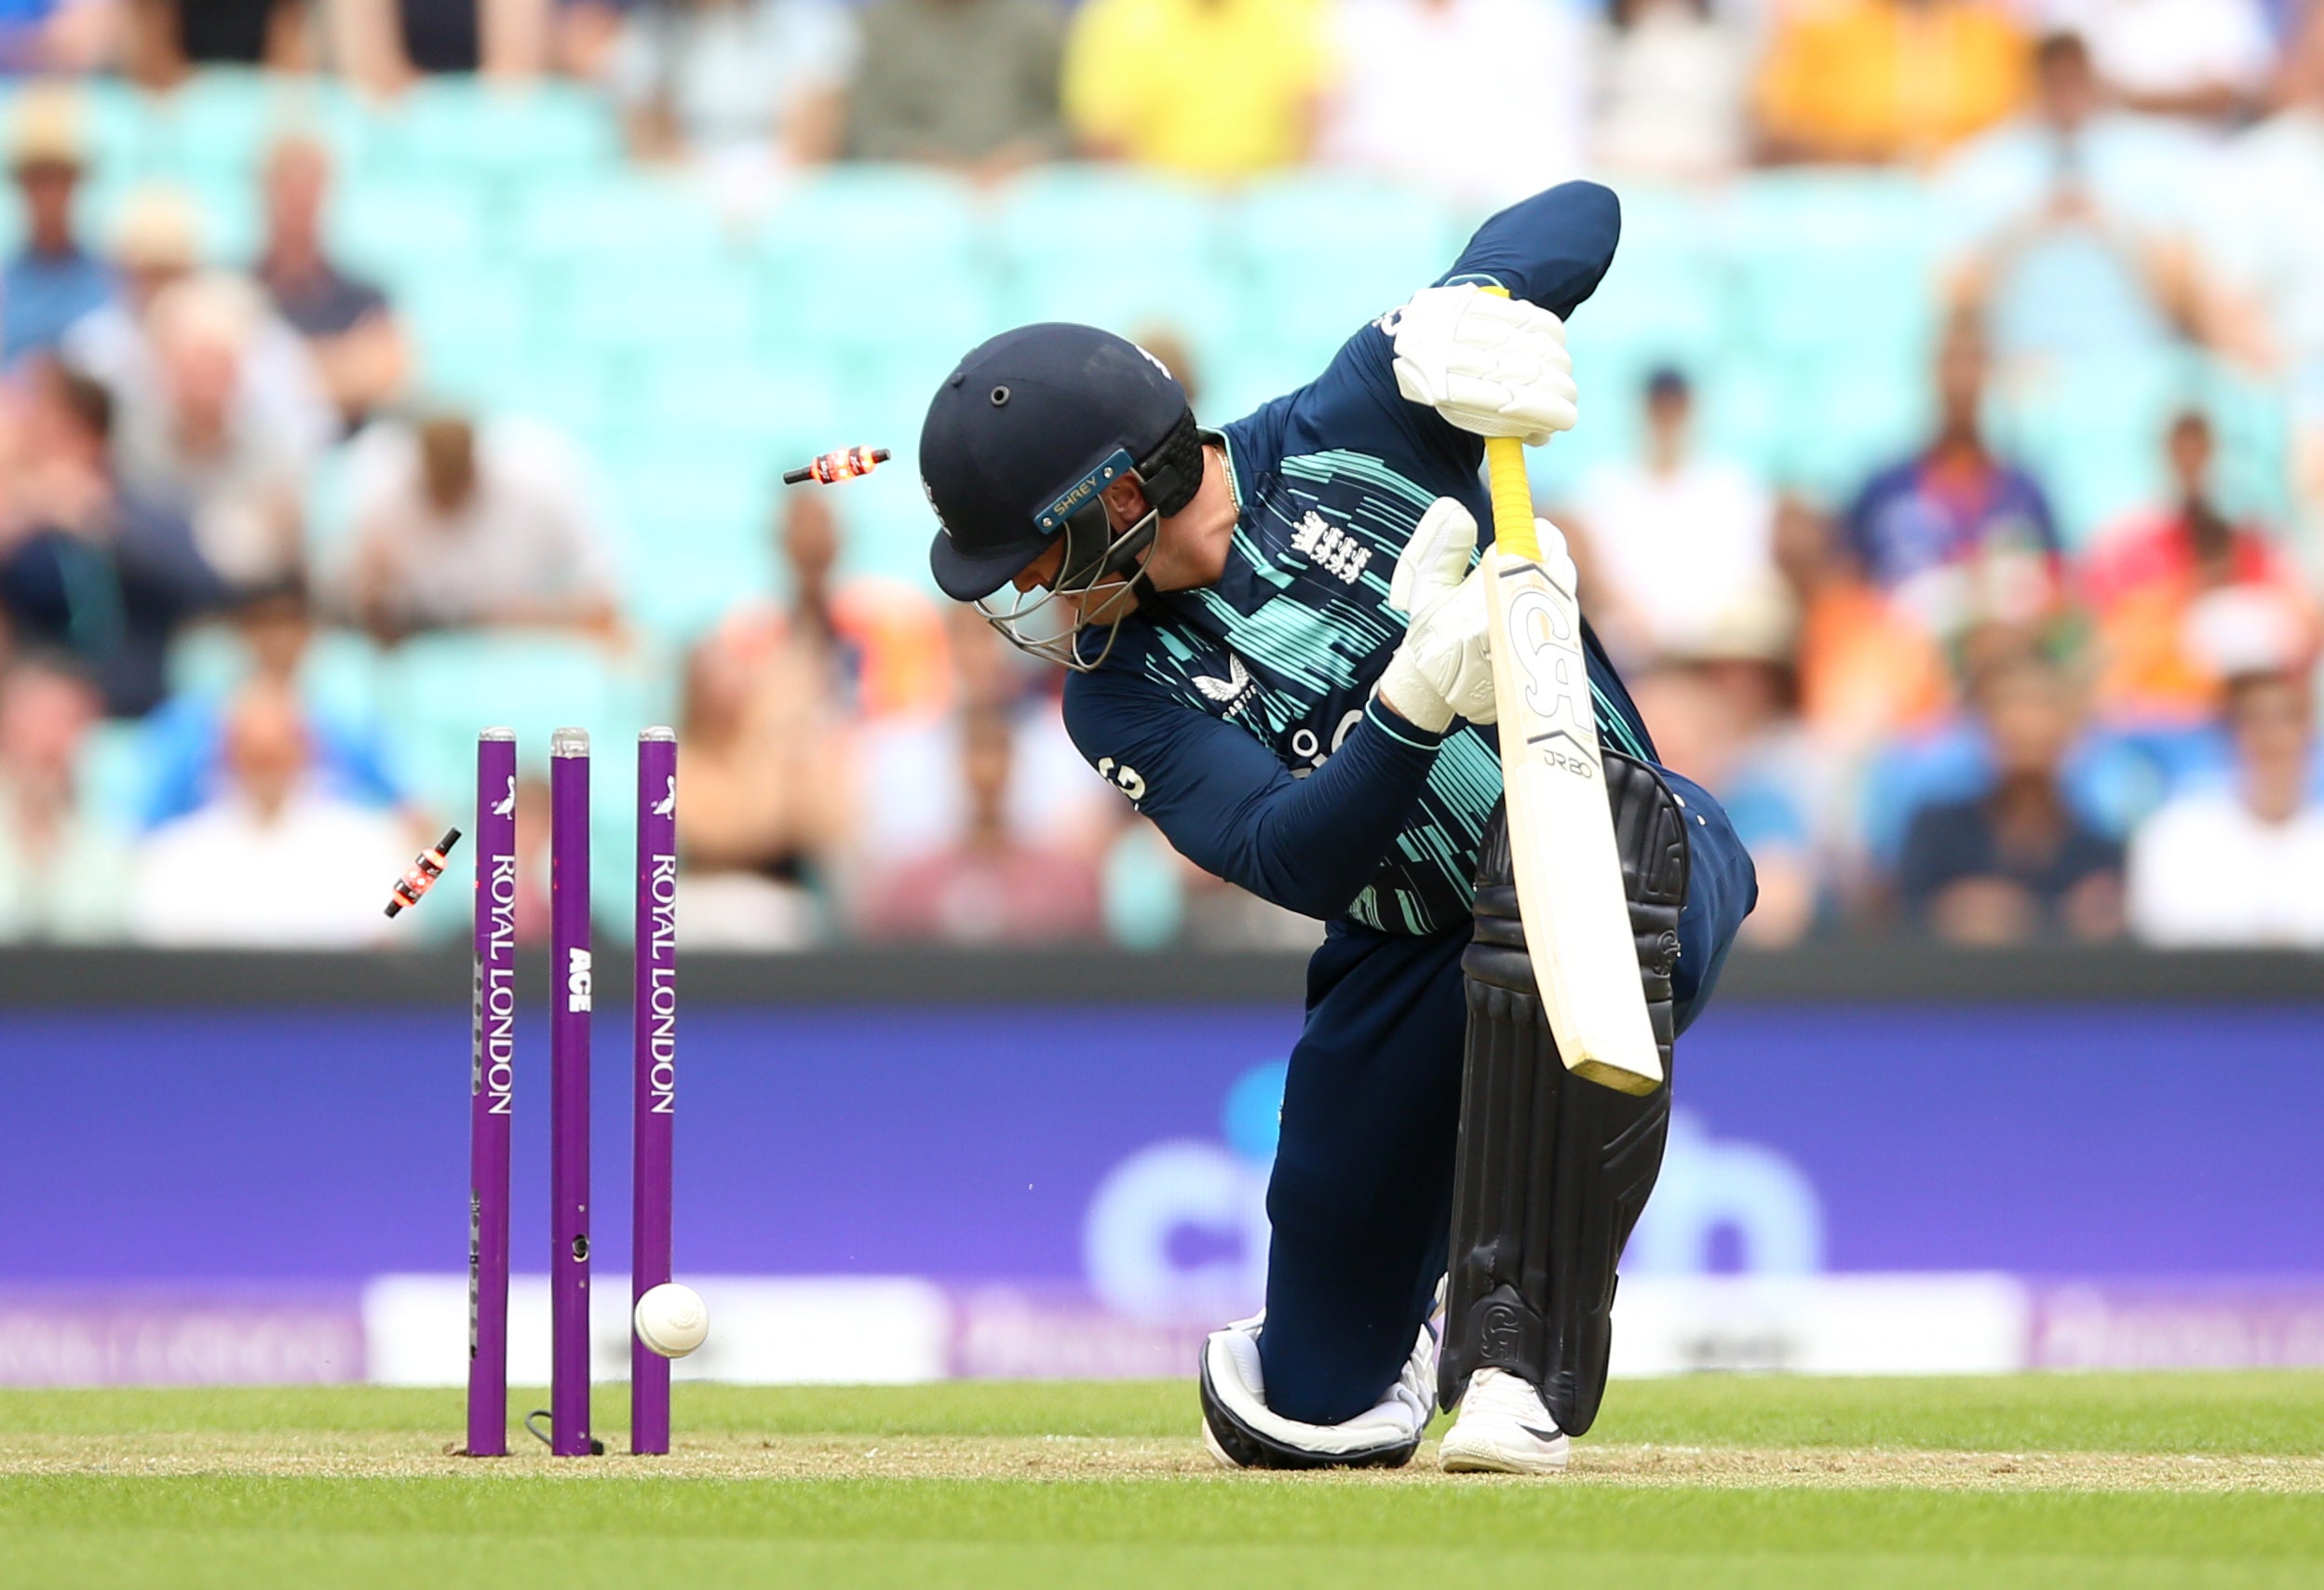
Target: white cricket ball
671,1320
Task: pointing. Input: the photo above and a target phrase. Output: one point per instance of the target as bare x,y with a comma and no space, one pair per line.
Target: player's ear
1124,503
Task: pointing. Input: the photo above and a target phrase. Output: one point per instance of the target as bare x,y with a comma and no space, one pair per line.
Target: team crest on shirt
1327,548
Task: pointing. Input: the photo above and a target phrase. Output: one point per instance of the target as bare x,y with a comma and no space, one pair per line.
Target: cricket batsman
1277,638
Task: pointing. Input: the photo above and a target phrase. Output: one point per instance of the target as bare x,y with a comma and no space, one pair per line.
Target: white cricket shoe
1241,1431
1503,1428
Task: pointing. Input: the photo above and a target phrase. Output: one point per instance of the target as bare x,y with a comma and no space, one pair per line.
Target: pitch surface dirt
364,1454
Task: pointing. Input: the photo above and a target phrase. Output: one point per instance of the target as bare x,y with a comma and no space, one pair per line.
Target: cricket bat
1569,880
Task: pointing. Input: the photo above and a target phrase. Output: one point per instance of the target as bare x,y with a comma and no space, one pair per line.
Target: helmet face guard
1103,572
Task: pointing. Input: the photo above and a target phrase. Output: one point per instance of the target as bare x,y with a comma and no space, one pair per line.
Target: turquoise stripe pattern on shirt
1290,642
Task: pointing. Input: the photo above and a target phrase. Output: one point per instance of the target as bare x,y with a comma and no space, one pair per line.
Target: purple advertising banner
1123,1149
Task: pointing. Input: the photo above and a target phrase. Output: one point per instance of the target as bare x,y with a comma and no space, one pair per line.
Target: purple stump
654,1059
570,978
492,1091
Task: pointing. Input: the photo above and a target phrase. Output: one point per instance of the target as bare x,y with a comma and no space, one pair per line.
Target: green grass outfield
2057,1482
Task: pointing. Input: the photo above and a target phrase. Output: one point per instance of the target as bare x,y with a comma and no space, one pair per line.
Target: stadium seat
218,123
692,533
1827,263
338,676
2092,430
695,578
467,128
439,689
471,327
1844,417
1665,311
705,486
888,221
755,407
1109,248
391,229
1318,256
641,307
627,217
2252,420
870,259
578,391
1739,416
113,774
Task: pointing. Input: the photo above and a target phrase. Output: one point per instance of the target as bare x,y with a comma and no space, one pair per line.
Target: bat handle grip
1512,490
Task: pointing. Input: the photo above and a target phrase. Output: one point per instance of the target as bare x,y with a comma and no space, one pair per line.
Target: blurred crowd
1933,705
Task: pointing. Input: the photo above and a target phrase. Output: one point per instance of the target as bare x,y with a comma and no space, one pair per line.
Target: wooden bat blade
1569,877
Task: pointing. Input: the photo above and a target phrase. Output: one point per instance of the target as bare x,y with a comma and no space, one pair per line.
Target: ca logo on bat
1550,656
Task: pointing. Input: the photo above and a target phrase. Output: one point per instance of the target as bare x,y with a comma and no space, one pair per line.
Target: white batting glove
1443,669
1494,366
1557,558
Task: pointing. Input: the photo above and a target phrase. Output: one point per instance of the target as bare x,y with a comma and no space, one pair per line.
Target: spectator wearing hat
274,400
2242,864
197,438
52,281
911,799
1673,540
358,346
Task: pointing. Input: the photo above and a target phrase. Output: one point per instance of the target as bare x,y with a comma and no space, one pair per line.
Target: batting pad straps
1552,1171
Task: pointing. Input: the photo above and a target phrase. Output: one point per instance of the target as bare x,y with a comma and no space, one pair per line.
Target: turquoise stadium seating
747,408
438,690
1319,256
468,130
113,775
693,353
578,390
1133,253
471,327
339,676
2092,433
393,228
648,307
573,217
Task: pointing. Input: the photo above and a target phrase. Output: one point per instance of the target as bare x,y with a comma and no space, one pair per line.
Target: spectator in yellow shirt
1218,88
1882,80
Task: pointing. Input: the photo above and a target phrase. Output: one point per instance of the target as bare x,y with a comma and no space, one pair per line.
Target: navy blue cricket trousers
1362,1196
